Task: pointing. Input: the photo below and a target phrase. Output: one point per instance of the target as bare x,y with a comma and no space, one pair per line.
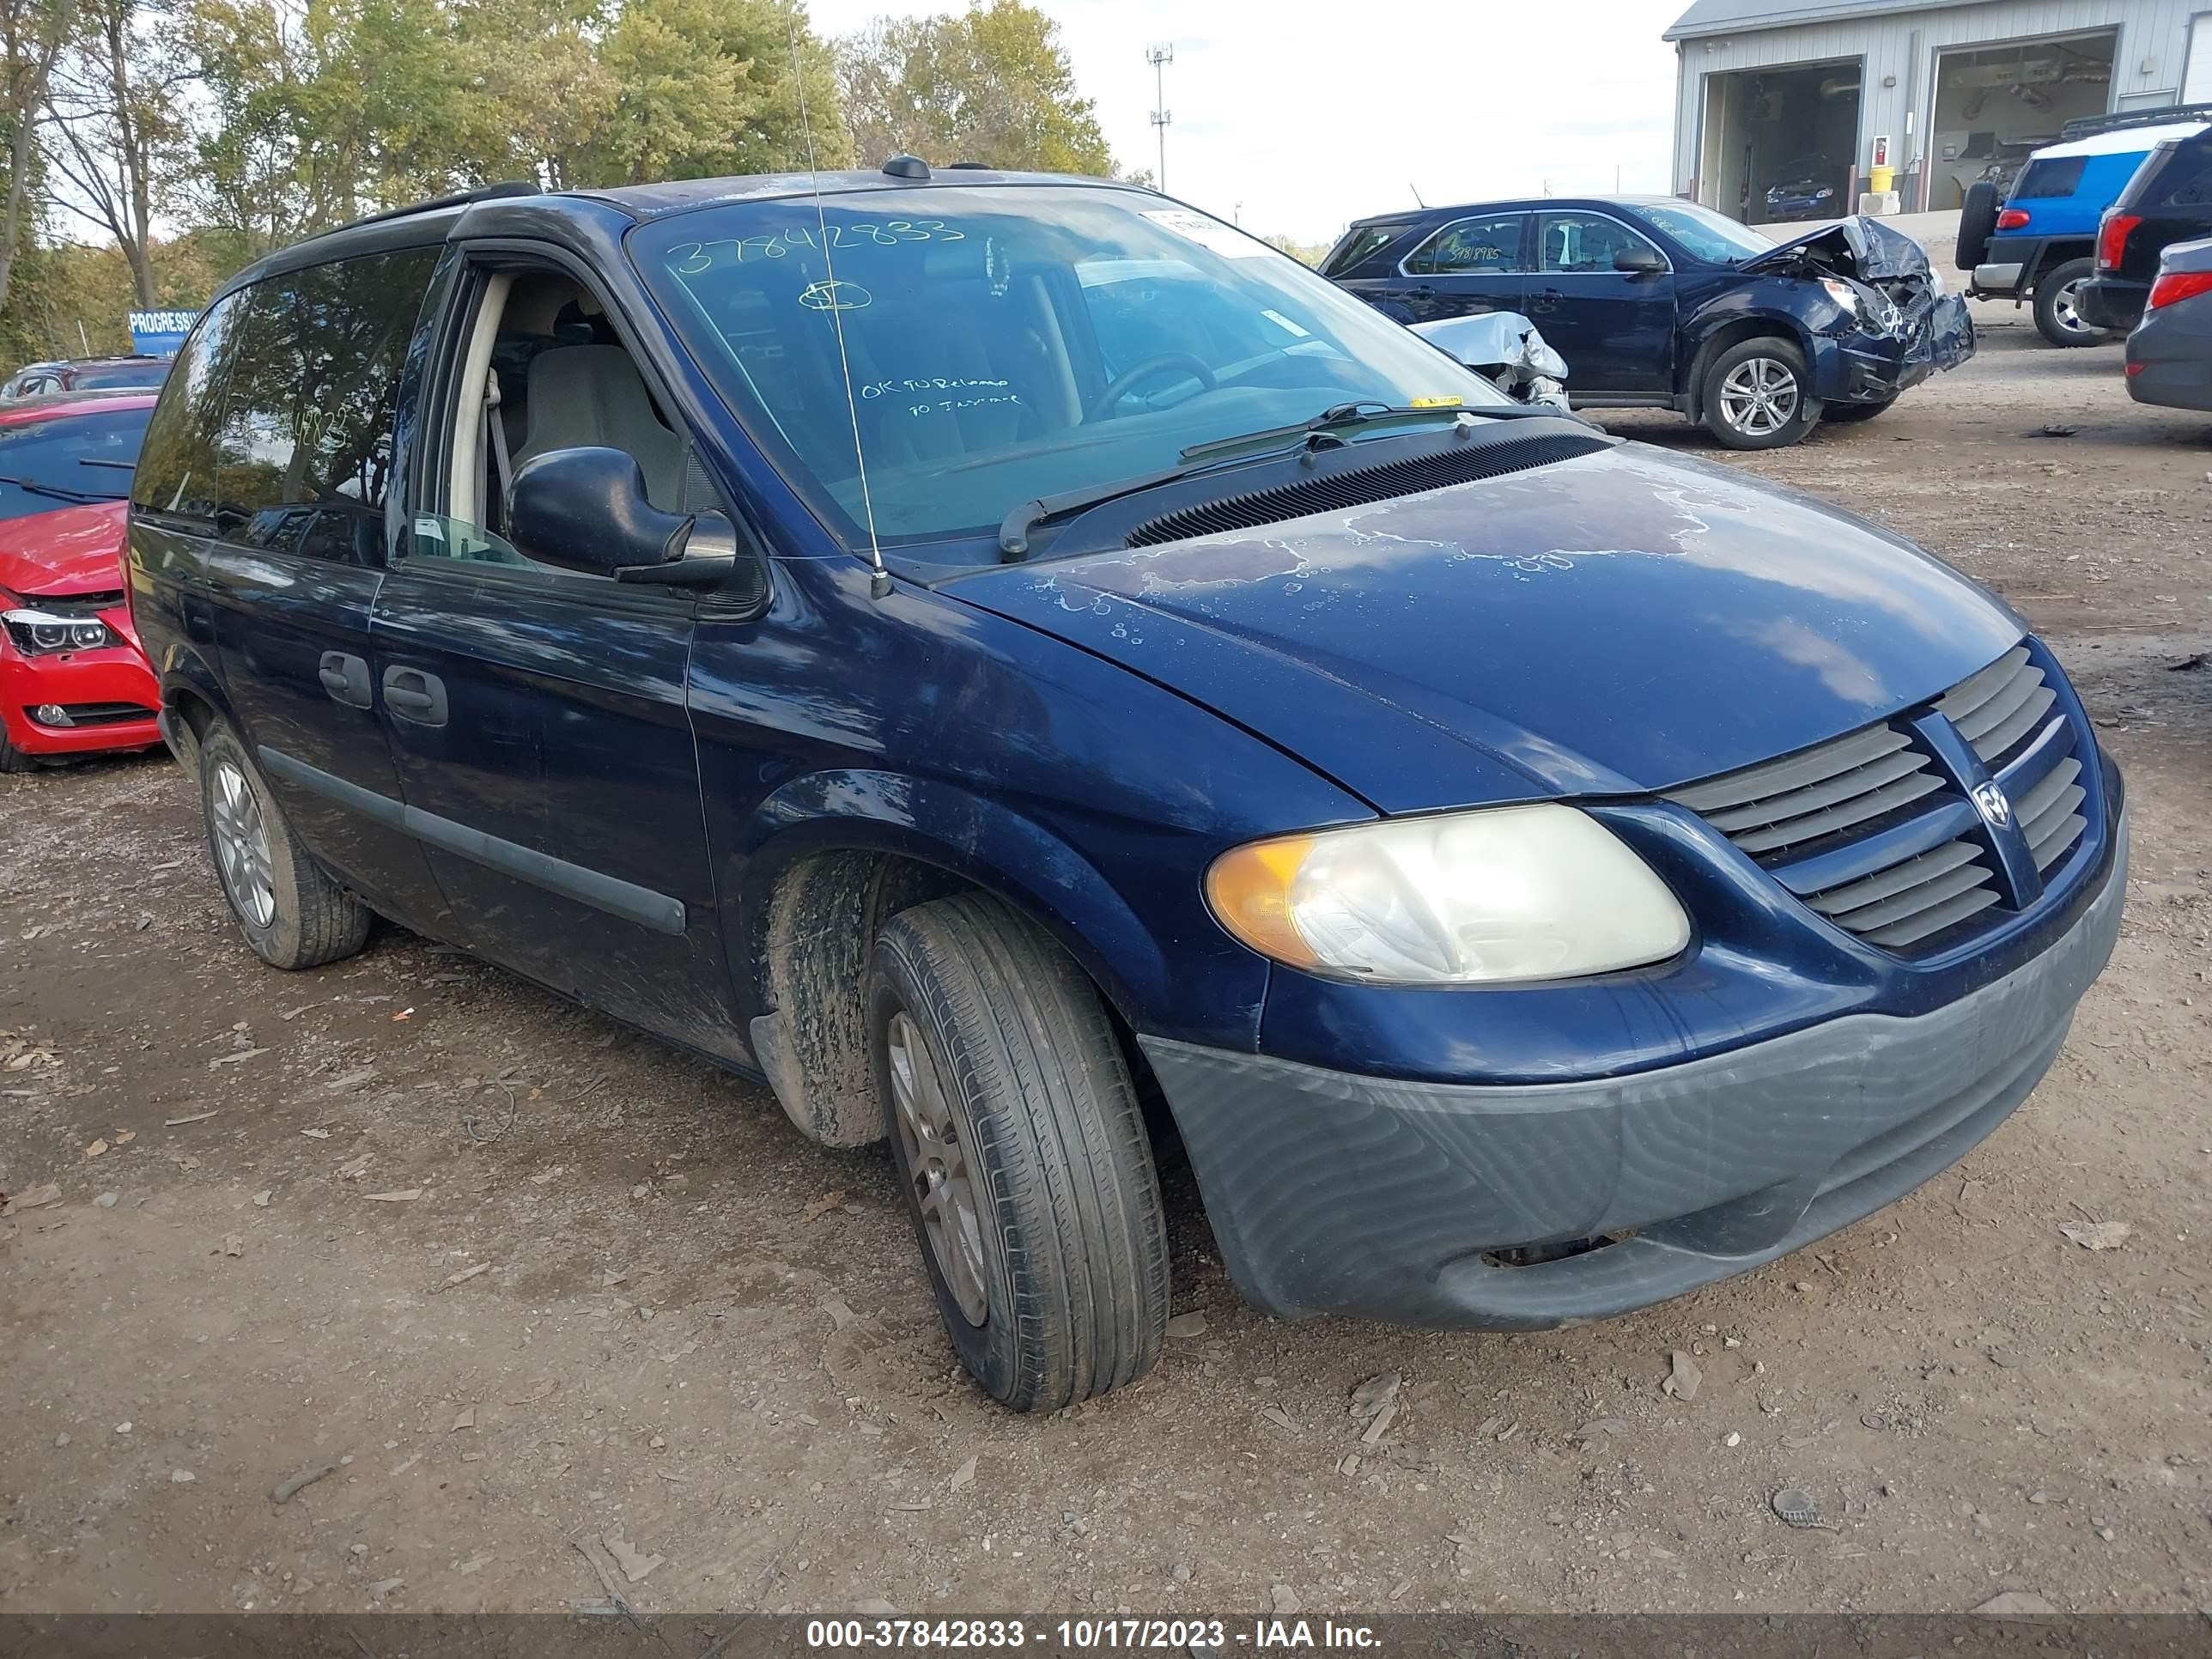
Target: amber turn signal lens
1249,890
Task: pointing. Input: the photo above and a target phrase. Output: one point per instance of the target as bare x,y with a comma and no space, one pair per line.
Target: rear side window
1360,243
1470,247
2186,180
305,447
68,461
2061,175
176,474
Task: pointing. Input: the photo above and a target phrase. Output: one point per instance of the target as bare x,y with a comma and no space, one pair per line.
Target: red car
73,680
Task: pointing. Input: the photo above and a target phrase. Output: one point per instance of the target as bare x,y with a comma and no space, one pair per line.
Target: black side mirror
1638,261
585,510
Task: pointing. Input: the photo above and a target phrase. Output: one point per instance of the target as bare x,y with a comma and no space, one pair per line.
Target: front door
537,715
1464,268
1615,328
303,450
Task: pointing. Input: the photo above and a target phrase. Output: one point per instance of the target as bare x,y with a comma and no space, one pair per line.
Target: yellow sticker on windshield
1435,403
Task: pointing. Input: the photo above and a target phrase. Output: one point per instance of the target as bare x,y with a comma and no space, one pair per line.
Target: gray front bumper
1332,1193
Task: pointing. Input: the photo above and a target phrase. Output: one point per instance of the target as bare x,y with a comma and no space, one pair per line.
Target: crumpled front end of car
1892,325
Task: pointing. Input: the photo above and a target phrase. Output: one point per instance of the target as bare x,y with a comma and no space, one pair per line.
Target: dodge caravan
1042,679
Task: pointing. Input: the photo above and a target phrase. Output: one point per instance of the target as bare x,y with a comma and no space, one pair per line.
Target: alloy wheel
937,1166
241,846
1759,396
2066,308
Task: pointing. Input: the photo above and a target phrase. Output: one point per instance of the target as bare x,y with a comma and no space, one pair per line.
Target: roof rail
459,198
2081,127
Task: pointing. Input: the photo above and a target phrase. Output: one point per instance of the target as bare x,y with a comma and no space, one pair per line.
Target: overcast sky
1313,115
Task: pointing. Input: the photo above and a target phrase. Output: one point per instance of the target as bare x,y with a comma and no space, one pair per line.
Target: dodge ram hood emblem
1995,808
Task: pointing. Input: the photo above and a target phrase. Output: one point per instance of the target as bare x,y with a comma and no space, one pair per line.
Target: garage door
2197,84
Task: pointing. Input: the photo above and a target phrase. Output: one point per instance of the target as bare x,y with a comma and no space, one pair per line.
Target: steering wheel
1103,405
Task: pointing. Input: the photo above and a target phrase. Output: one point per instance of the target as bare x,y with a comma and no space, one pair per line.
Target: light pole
1159,57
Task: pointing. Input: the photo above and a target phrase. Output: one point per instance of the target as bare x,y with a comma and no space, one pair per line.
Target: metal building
1772,95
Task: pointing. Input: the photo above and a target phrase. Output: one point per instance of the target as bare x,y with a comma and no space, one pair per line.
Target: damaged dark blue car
1047,682
1658,303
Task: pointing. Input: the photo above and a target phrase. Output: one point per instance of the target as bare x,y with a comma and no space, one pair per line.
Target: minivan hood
1857,246
72,550
1617,624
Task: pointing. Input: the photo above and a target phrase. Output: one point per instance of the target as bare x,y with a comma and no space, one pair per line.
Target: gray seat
581,396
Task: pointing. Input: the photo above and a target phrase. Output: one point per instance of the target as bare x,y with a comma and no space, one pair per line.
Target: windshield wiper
60,492
1345,417
1014,532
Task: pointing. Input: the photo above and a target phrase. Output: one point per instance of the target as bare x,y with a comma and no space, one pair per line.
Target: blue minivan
1043,680
1659,303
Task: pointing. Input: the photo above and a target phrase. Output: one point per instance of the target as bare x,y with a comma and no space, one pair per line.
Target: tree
705,88
31,35
993,84
539,90
118,137
347,108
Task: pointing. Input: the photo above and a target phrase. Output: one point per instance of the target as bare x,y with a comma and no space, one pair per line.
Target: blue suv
1659,303
2040,244
1043,680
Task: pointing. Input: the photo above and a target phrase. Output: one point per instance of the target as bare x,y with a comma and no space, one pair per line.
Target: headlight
1824,192
38,632
1844,294
1462,898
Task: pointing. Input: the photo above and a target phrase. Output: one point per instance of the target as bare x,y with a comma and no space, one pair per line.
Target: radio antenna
879,580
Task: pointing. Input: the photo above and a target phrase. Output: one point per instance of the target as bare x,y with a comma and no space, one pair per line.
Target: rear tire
1758,395
1832,413
1977,221
2056,317
1021,1148
291,912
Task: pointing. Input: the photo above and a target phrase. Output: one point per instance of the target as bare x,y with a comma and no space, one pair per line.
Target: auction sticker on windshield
1208,233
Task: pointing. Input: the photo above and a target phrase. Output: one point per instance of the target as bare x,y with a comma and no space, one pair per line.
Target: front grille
1996,708
1358,486
1873,832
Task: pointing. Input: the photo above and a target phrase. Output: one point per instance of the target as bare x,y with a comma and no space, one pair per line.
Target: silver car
2170,353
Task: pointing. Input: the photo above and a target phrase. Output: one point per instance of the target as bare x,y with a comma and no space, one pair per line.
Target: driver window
544,369
1570,242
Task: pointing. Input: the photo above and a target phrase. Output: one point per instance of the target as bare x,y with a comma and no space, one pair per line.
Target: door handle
1546,298
346,678
412,695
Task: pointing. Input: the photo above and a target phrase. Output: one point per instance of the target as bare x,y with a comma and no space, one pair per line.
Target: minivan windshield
1010,342
1709,236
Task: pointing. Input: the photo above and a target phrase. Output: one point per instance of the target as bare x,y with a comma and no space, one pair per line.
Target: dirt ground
527,1278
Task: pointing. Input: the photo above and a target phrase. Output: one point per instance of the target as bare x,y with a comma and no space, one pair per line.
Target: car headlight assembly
1499,894
1844,295
1824,192
42,633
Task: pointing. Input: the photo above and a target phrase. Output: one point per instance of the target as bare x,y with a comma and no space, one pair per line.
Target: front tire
291,912
12,759
1021,1148
1758,394
2058,316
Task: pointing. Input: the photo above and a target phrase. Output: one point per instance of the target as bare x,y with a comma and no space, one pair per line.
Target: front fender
979,840
1730,316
